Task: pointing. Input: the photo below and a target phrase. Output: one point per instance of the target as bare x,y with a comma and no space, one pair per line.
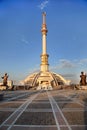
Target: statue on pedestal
5,78
83,79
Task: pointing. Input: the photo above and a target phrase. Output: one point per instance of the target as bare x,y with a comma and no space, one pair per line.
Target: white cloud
69,75
24,41
63,64
52,68
66,63
43,4
72,63
83,61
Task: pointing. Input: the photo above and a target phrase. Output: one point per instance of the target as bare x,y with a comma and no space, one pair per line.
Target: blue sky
20,37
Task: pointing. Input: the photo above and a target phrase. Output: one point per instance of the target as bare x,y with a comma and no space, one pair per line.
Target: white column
44,44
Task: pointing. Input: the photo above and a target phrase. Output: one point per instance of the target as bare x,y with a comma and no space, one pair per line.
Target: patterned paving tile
36,118
4,115
76,118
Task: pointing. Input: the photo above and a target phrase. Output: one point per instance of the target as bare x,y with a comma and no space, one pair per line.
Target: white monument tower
44,79
44,56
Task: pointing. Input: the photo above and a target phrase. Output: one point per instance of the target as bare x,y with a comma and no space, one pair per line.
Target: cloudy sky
20,37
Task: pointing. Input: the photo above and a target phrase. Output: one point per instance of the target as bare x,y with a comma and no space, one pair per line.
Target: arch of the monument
63,80
44,79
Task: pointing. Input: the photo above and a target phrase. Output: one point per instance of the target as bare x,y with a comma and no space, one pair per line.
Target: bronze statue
83,79
5,78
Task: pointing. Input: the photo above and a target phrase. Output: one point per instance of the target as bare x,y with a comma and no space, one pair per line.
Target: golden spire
44,27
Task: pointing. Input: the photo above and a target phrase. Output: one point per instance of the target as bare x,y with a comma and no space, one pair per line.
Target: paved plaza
44,110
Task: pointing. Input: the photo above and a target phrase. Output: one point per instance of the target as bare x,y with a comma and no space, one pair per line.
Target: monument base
44,88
